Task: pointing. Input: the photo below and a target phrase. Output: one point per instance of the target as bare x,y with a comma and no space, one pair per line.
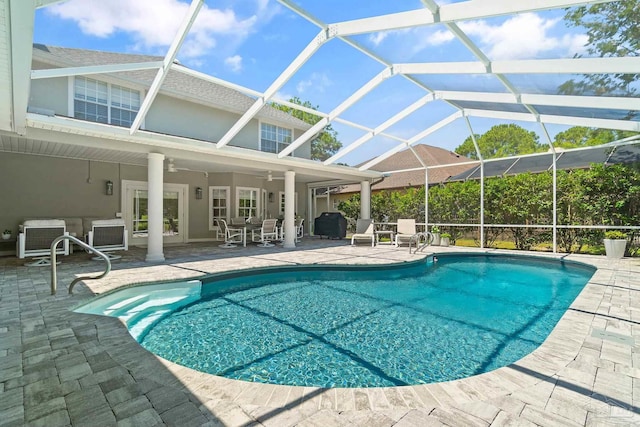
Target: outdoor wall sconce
198,193
270,197
109,188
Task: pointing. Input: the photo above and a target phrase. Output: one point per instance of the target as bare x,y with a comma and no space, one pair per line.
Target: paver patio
63,368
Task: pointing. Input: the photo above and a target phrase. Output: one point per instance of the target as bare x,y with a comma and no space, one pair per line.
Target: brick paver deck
63,368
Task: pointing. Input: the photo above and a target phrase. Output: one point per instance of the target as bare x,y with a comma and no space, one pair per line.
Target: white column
155,200
289,209
426,199
365,200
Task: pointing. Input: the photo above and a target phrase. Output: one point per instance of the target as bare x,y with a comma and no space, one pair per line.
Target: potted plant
6,234
435,230
445,238
615,242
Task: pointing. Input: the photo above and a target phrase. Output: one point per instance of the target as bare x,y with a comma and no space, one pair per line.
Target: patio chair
299,229
266,234
108,235
405,231
35,238
238,221
232,235
365,230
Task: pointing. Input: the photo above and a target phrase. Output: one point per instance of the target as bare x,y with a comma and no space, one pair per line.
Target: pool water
423,323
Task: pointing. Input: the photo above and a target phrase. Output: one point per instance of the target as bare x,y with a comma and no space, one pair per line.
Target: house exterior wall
167,115
50,94
182,118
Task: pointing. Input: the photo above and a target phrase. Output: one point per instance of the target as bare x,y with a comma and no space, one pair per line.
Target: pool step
141,307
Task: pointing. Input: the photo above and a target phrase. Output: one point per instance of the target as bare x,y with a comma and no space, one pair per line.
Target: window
281,203
101,102
247,202
218,205
274,139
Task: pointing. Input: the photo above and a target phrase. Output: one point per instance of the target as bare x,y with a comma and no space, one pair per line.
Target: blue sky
250,42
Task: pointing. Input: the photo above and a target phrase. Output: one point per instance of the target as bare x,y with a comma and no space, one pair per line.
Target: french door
135,206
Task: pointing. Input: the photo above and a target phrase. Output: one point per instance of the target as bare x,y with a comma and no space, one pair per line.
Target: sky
250,43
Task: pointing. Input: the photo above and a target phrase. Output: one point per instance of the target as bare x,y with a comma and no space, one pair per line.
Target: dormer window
102,102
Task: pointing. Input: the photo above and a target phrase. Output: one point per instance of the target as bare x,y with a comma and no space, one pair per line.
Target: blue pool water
370,327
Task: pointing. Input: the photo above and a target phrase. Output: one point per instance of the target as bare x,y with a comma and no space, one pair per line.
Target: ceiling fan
269,177
171,167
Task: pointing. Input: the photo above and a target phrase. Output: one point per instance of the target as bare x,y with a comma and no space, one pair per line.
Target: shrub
615,235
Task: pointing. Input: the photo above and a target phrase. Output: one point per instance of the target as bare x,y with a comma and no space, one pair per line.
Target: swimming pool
348,326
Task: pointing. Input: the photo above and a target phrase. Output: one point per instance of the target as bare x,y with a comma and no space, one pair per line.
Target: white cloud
377,38
317,81
282,96
527,35
154,23
522,36
234,63
420,38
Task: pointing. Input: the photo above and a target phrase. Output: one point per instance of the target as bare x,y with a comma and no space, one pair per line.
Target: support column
475,145
289,209
365,200
426,199
555,188
155,225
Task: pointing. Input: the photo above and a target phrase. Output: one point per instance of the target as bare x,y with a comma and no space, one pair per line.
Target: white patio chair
266,234
406,229
299,229
232,236
365,230
108,235
35,238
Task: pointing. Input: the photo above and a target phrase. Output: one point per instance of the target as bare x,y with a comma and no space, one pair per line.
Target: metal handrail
54,275
428,239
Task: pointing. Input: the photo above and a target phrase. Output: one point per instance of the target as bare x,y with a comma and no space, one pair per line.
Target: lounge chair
365,230
108,235
232,235
35,238
405,231
266,234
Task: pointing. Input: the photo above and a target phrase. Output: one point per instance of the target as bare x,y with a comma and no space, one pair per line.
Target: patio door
135,203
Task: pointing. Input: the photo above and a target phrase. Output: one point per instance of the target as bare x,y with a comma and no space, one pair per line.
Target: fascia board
93,69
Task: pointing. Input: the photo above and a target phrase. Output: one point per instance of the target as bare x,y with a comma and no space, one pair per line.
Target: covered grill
330,224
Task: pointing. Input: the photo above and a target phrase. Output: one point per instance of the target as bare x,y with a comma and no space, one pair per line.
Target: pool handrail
54,273
428,239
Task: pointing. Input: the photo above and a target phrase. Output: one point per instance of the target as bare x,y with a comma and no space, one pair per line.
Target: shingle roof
177,83
430,155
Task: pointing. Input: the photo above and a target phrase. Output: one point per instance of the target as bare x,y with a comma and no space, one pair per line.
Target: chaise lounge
365,230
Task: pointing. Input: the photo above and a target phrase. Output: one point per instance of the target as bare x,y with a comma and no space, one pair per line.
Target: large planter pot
436,239
615,248
444,241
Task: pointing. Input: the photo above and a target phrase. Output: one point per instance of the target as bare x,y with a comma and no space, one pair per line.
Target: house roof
176,83
406,159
